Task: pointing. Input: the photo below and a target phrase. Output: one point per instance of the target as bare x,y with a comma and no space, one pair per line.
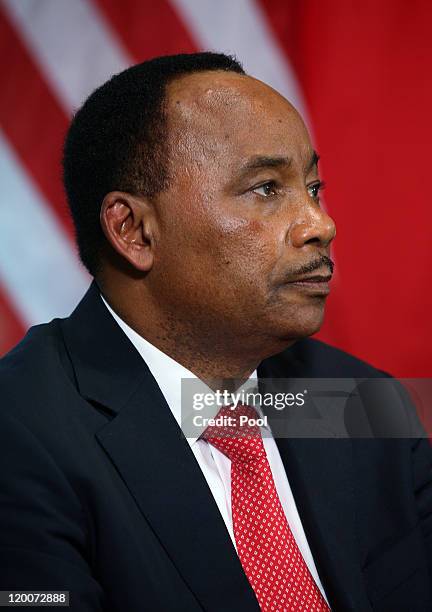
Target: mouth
317,284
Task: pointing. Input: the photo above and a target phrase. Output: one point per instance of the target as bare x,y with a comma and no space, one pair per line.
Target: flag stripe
11,328
34,250
148,29
32,120
230,27
74,45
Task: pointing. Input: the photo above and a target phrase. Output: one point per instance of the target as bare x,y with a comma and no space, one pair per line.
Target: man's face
240,222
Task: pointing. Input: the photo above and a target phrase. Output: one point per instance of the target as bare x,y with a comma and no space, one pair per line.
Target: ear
129,224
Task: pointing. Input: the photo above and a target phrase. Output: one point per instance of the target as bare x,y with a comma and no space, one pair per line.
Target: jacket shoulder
31,371
335,361
311,358
37,344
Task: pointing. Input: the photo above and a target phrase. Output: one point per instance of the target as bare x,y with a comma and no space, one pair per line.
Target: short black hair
117,141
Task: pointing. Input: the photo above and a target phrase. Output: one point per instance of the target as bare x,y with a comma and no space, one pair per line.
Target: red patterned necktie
266,547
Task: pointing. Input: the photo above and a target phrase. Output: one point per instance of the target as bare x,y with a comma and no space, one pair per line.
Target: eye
266,190
315,188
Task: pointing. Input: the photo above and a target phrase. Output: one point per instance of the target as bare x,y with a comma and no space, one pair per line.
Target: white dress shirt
215,466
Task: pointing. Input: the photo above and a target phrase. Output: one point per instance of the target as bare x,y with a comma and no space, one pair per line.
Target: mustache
316,264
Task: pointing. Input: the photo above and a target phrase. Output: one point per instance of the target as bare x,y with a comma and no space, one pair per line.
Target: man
194,191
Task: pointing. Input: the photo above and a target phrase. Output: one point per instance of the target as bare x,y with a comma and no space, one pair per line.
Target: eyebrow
262,161
314,159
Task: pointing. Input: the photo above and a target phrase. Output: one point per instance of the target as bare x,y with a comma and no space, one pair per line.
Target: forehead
224,114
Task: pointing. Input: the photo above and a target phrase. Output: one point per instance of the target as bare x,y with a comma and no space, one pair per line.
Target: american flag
360,74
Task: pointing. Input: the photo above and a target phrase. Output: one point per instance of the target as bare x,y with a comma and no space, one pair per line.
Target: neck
221,359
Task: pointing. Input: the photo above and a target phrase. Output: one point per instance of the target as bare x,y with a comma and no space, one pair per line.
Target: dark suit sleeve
42,524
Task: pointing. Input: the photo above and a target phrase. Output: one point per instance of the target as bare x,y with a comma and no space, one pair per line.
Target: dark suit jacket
101,495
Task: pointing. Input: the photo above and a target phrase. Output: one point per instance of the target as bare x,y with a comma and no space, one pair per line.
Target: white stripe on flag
38,265
74,45
241,28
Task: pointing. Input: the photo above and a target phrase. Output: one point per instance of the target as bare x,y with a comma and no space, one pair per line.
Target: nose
317,228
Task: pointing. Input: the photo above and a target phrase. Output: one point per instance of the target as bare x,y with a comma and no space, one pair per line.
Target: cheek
248,250
205,243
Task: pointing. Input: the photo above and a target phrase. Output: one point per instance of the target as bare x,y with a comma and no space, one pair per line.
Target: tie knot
236,434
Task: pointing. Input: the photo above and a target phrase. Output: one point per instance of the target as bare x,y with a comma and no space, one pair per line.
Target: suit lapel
153,458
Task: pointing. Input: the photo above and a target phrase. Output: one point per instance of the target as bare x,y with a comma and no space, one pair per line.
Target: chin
305,322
